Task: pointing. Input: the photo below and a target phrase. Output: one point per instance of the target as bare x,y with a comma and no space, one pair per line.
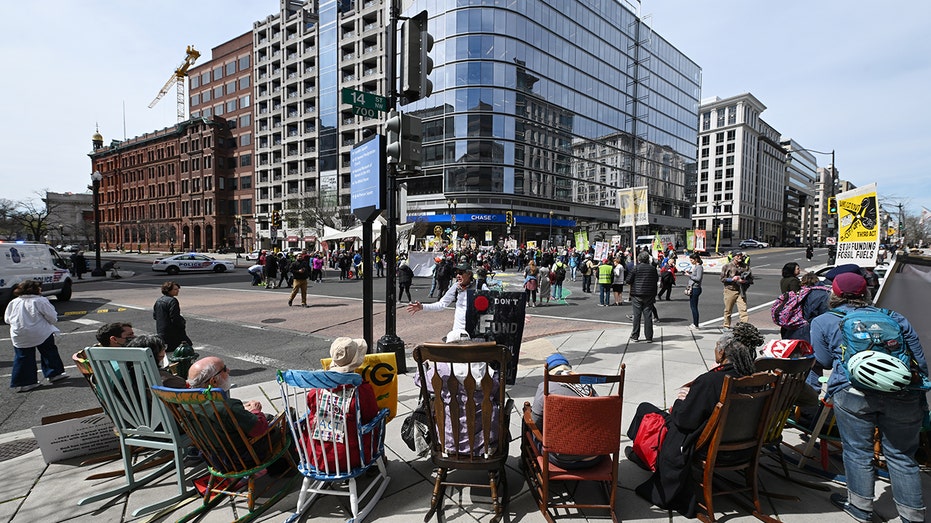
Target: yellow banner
381,371
858,226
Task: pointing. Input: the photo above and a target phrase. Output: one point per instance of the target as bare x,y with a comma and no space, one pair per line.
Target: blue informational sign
367,186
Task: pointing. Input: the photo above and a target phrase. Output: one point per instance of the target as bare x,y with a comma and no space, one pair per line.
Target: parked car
227,250
191,261
753,243
254,255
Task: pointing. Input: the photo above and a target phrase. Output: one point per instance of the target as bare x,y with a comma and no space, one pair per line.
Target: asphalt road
255,331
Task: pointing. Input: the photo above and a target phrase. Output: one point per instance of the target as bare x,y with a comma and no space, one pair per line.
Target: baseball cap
849,284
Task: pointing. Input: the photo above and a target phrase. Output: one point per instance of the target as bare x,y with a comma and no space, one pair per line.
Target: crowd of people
648,277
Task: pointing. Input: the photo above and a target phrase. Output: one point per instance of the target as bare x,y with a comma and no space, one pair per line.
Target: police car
191,261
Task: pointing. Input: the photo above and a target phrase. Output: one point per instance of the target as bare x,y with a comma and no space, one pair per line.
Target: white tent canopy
330,233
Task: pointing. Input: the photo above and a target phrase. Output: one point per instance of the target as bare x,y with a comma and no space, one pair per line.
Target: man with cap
735,276
898,415
457,293
346,355
557,364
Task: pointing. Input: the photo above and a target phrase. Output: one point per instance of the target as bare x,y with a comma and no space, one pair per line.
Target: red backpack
649,439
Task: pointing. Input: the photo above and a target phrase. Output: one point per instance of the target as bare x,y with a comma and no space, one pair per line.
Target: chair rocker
732,439
329,450
469,416
123,377
587,426
232,457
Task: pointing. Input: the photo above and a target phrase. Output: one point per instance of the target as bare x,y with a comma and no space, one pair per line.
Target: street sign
360,99
273,232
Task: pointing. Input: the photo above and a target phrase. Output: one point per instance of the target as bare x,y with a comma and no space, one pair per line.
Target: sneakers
59,377
27,388
840,501
290,303
693,327
630,317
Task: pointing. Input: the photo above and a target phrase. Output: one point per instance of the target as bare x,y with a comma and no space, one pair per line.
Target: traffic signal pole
390,342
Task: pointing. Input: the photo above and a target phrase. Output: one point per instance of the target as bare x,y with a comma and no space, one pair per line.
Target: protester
667,278
271,270
559,276
557,364
300,271
456,293
605,274
405,278
114,334
789,281
31,318
157,347
860,411
736,277
347,355
169,323
642,281
695,274
618,275
257,271
545,283
671,486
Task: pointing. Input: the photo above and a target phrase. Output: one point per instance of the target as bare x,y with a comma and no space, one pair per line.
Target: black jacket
405,274
642,280
170,325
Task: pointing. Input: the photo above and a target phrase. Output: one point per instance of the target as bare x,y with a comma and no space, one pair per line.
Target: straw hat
347,354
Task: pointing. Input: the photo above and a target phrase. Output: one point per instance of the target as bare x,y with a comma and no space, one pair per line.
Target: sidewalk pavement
34,491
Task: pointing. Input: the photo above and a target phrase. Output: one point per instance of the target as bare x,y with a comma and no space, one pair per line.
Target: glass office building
545,109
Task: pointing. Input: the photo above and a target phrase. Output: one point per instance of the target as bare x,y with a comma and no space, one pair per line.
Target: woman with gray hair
671,486
157,347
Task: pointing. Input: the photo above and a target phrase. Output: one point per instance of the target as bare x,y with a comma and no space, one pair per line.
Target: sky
833,74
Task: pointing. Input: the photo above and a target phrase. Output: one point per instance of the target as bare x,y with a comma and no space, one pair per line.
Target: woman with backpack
894,401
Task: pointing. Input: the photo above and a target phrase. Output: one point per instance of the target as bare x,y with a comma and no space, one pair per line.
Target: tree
305,213
32,217
8,225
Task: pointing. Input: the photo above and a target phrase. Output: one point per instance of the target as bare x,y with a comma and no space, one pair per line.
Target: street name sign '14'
364,104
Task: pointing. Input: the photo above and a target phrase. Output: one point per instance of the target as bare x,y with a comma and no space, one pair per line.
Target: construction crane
178,77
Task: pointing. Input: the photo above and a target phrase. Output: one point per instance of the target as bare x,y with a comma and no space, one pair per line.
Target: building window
244,82
706,121
195,99
205,78
231,87
706,140
730,160
245,206
245,182
217,73
195,82
218,91
205,96
704,164
721,117
730,148
245,120
245,139
244,101
231,106
731,135
230,68
705,152
245,160
244,63
719,149
719,137
218,109
732,115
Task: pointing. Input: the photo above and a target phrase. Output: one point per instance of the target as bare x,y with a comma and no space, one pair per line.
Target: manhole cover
273,320
15,449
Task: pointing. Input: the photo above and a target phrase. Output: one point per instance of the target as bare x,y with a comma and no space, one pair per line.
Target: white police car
191,261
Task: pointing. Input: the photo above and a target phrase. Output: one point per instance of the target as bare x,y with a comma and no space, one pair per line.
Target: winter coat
643,280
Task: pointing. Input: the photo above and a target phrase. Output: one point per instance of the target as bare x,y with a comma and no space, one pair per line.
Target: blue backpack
873,334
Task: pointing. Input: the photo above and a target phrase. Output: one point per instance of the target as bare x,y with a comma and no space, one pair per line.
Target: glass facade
555,107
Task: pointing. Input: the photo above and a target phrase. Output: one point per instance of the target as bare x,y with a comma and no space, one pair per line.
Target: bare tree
32,216
306,213
8,225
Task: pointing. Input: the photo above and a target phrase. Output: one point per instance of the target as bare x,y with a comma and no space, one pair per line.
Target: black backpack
584,268
560,272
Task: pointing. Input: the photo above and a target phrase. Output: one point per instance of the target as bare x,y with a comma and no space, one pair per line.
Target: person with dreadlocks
671,485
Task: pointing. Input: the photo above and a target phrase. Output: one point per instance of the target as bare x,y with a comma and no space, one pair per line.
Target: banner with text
381,370
499,317
632,203
581,240
858,226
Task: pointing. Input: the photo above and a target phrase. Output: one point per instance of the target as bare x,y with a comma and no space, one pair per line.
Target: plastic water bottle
860,331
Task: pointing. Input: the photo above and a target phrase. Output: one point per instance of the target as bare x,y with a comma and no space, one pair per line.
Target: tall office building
802,201
541,111
741,172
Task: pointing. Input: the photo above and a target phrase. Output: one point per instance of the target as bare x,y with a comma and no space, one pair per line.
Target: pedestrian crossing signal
509,217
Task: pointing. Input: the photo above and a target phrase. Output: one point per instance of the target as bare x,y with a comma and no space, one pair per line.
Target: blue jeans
898,417
693,303
557,291
604,296
643,304
24,363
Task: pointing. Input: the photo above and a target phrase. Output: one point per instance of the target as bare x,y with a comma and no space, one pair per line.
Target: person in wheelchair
557,365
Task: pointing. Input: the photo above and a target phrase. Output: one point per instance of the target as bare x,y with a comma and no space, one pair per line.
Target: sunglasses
221,371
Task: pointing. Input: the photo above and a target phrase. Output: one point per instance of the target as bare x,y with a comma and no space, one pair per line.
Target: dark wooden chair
122,379
791,384
587,426
468,416
232,456
732,439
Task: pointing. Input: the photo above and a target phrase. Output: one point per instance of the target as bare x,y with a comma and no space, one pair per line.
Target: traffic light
416,63
509,217
832,205
403,144
276,219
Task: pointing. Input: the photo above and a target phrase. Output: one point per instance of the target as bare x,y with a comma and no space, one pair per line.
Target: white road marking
86,321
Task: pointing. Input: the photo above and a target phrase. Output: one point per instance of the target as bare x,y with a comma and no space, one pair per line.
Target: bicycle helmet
878,371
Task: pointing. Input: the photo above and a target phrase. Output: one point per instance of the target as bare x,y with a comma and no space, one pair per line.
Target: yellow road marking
98,311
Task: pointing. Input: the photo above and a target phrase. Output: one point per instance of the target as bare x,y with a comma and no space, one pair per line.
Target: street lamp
452,217
95,181
549,240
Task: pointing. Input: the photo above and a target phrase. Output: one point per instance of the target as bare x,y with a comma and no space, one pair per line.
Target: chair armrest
279,421
528,421
376,421
710,427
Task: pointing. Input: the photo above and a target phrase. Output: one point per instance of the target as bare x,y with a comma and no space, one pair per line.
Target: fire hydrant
183,357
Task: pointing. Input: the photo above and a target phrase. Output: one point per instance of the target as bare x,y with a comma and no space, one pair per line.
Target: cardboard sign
381,370
498,317
75,437
858,221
